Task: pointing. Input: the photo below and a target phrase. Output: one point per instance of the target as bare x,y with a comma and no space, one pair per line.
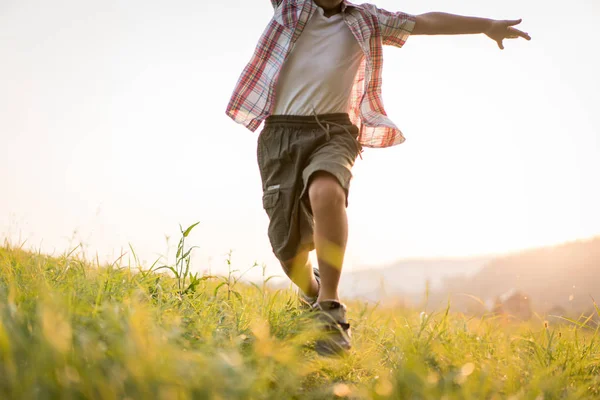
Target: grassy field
71,330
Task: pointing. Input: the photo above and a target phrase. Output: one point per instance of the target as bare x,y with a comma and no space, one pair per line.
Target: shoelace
344,325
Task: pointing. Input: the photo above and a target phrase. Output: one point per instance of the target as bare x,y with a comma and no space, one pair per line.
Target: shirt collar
287,10
346,4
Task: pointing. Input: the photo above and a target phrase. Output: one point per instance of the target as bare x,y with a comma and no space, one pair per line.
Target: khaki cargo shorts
290,150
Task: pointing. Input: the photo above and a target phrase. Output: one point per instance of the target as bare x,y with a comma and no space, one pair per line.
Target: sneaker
307,301
332,317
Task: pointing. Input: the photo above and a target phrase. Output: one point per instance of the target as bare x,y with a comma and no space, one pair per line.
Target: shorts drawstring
345,128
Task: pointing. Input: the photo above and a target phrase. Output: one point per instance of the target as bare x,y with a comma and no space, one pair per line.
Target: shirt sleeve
275,3
395,27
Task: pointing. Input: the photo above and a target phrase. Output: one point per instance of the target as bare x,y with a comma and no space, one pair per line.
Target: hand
500,30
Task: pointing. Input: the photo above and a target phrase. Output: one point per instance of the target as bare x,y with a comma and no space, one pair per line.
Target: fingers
514,22
503,29
514,33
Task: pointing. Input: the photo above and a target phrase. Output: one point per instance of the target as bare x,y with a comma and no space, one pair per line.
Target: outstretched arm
437,23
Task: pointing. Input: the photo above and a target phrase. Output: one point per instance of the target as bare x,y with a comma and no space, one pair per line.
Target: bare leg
300,271
328,203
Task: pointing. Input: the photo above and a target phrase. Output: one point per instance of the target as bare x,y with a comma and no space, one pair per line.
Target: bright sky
113,131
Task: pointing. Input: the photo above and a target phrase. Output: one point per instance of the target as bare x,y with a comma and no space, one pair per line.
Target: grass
72,330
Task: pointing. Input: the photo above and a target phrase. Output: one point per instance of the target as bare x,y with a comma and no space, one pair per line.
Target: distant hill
407,278
564,276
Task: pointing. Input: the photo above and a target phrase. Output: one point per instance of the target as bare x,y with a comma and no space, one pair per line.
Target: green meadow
72,329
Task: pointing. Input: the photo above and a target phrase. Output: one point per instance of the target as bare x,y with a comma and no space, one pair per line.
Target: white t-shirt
319,72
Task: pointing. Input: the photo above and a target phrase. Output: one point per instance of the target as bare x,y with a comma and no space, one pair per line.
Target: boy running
315,81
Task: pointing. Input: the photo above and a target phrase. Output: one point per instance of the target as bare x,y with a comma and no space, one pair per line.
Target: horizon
489,257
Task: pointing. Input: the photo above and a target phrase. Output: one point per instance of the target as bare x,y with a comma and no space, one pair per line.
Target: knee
325,193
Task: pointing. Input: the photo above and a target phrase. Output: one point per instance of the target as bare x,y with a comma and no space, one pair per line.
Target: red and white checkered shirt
253,98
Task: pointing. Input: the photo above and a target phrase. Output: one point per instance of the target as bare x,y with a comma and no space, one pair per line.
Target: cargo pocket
278,231
270,199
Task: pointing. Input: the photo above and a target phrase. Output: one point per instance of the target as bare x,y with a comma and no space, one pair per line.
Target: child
315,80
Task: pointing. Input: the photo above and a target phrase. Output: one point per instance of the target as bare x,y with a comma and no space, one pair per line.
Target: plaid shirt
253,98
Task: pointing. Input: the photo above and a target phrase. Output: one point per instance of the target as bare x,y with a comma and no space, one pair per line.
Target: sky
113,132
